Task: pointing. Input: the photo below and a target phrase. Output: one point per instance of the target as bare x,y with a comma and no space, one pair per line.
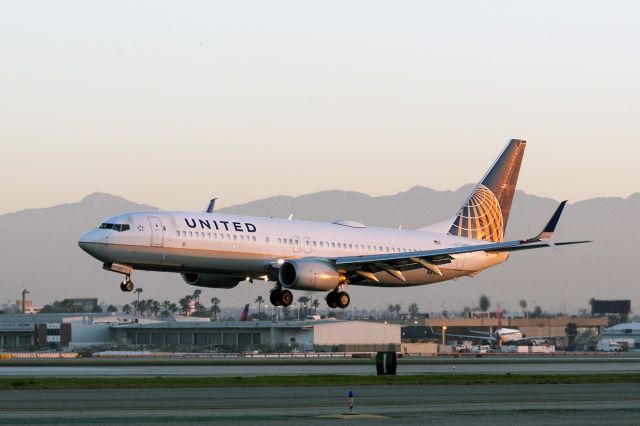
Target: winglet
547,232
211,206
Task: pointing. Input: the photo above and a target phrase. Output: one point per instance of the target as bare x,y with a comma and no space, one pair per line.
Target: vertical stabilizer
485,213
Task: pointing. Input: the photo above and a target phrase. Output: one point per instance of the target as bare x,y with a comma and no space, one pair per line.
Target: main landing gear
280,297
338,299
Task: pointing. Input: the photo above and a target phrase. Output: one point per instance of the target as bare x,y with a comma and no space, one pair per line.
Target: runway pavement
452,405
487,366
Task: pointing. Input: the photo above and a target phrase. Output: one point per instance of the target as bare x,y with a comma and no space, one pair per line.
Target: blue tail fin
485,213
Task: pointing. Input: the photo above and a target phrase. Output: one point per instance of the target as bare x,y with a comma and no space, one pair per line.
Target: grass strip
308,381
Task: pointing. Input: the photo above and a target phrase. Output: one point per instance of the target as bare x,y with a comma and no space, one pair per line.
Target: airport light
444,333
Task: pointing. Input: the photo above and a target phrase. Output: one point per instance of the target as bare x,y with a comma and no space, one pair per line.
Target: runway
497,404
252,370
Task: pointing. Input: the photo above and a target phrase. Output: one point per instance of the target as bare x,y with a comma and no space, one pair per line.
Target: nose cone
93,242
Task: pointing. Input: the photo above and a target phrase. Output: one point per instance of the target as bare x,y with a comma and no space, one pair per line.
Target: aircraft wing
394,263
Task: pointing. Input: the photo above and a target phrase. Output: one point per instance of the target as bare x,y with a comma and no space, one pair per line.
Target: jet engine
210,280
309,275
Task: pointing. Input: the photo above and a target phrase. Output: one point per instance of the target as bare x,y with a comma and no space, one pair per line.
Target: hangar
245,336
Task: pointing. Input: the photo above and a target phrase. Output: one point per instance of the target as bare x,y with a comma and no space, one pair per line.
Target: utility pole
24,299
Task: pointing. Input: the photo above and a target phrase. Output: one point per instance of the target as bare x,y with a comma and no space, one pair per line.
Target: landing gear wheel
126,285
286,298
332,299
274,297
343,299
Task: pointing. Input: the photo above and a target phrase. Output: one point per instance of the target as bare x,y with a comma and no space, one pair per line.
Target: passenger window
333,245
314,244
254,238
178,233
235,237
350,246
266,239
190,234
321,245
279,241
184,233
339,245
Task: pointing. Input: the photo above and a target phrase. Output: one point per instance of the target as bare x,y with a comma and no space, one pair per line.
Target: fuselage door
157,231
307,244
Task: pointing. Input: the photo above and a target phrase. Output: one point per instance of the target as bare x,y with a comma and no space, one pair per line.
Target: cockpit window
115,226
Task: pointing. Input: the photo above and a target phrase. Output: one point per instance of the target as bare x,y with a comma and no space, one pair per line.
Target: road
452,405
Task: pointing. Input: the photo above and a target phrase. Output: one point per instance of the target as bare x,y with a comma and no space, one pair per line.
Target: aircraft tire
129,285
274,298
343,299
332,299
286,298
122,286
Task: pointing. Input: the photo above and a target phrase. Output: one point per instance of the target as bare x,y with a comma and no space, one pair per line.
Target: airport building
246,336
588,329
627,332
91,331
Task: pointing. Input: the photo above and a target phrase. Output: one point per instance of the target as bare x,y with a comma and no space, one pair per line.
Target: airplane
503,335
217,250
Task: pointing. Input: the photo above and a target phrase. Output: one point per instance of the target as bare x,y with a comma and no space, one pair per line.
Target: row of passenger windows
293,242
215,236
344,246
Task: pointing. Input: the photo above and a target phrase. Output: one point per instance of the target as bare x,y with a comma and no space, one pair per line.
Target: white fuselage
245,246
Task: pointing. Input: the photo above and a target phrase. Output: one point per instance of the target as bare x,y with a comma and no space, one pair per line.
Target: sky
172,103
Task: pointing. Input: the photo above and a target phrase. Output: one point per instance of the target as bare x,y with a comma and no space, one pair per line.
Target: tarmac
592,404
474,366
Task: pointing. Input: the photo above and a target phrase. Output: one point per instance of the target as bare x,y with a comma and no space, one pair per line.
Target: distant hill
40,251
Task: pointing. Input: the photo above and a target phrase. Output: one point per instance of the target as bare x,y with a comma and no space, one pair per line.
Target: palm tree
166,304
316,305
523,305
155,307
484,303
126,309
391,310
397,308
215,308
138,291
196,295
112,308
259,301
184,304
173,308
303,301
413,310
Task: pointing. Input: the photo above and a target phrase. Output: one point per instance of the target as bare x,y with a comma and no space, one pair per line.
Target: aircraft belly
168,258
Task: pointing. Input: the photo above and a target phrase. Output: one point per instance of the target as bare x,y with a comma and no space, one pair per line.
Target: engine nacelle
309,275
210,280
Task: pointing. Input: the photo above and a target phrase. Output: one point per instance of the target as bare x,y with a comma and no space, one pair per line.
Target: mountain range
40,251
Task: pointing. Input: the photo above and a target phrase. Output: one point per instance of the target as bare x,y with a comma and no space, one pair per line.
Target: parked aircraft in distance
219,250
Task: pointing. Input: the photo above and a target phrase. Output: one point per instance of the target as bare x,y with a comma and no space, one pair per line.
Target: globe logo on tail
480,218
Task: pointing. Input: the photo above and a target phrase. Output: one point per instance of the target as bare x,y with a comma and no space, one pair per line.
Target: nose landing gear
126,270
127,285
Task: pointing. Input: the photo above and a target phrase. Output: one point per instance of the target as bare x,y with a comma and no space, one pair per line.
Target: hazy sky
169,103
